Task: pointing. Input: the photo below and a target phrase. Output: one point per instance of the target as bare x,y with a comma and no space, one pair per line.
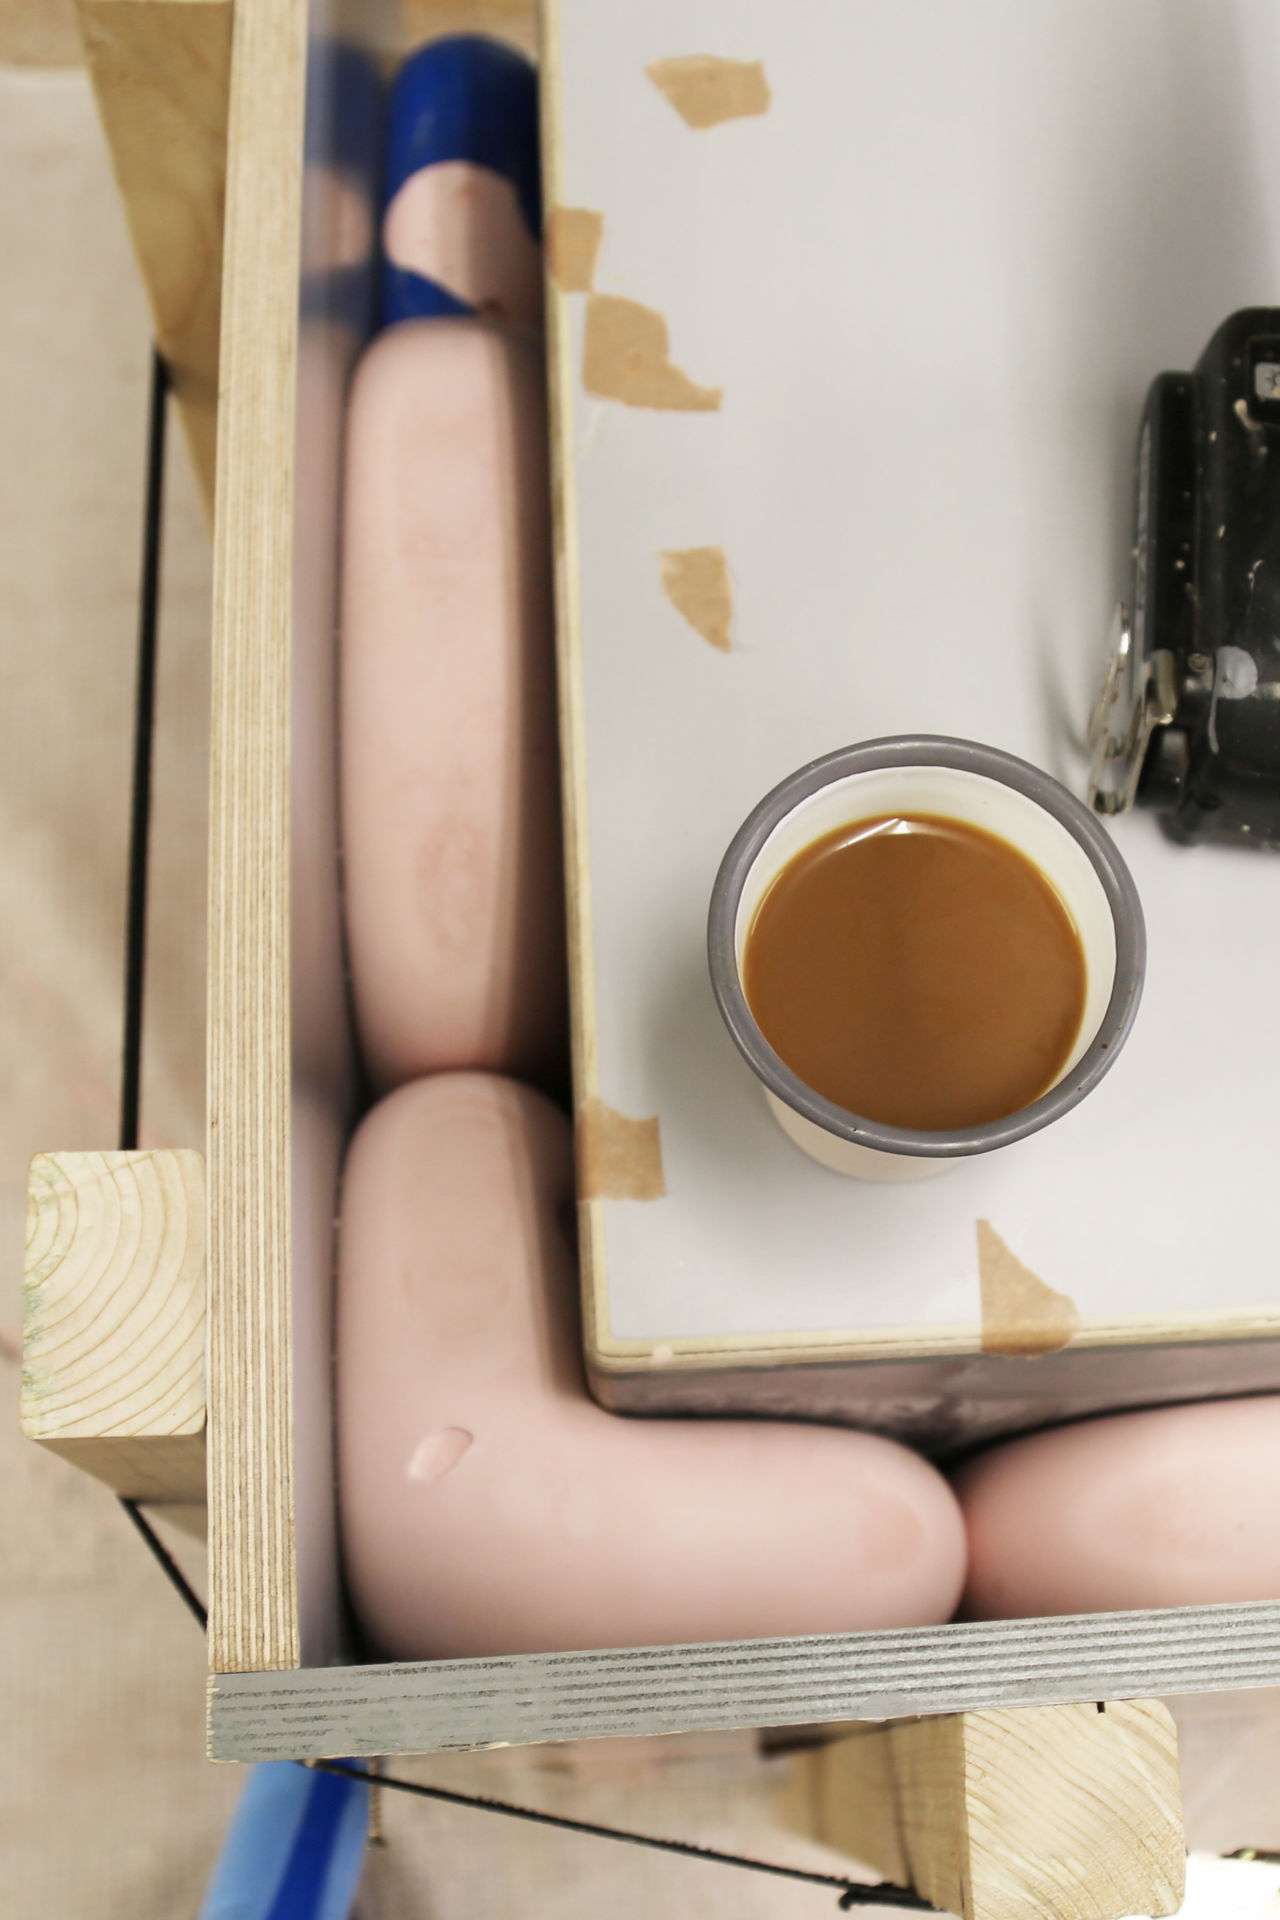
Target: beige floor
107,1806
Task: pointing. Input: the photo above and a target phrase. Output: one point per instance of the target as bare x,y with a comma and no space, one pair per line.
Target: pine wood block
114,1318
842,1792
1034,1813
161,71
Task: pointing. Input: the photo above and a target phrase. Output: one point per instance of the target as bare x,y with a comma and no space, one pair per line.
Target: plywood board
253,1610
432,1706
874,341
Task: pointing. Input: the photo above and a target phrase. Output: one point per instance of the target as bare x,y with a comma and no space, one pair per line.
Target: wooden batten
113,1320
1067,1812
161,72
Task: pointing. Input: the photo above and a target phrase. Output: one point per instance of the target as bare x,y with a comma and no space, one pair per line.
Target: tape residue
573,240
626,355
618,1158
1020,1314
696,582
706,90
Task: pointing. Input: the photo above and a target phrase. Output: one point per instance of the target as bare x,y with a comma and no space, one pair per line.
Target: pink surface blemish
893,1534
437,1454
455,884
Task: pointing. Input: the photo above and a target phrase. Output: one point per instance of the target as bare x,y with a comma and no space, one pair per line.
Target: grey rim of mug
927,750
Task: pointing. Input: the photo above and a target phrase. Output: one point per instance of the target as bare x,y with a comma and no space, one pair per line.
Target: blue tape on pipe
466,105
295,1849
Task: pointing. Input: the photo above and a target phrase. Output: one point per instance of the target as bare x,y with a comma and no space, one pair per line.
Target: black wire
166,1559
135,935
852,1893
135,942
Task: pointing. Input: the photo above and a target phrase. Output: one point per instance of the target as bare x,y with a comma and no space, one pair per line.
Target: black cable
135,939
135,934
166,1559
852,1893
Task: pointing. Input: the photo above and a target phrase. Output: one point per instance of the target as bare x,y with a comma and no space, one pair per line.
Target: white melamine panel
933,281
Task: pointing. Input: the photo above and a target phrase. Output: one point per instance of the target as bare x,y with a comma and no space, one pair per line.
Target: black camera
1188,719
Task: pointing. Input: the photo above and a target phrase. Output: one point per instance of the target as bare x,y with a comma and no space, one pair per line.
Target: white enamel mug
980,787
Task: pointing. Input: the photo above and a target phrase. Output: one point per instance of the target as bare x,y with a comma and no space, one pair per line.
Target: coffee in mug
917,969
924,948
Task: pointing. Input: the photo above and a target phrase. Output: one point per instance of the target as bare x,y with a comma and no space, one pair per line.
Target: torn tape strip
1020,1314
618,1158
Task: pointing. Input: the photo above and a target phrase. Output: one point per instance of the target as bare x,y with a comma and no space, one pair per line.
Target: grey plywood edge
434,1707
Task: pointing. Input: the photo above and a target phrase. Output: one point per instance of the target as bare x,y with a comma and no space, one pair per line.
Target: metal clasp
1136,697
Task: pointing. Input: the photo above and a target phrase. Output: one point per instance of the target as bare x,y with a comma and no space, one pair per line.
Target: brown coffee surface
917,971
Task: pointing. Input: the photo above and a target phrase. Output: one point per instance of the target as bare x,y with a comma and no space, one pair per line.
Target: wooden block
161,71
844,1793
1037,1813
113,1319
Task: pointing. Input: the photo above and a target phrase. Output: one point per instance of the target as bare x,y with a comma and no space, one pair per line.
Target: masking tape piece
704,90
1020,1314
626,355
573,240
696,582
618,1158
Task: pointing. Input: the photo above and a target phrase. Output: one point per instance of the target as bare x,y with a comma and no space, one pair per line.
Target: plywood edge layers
853,1347
252,1570
524,1699
572,720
